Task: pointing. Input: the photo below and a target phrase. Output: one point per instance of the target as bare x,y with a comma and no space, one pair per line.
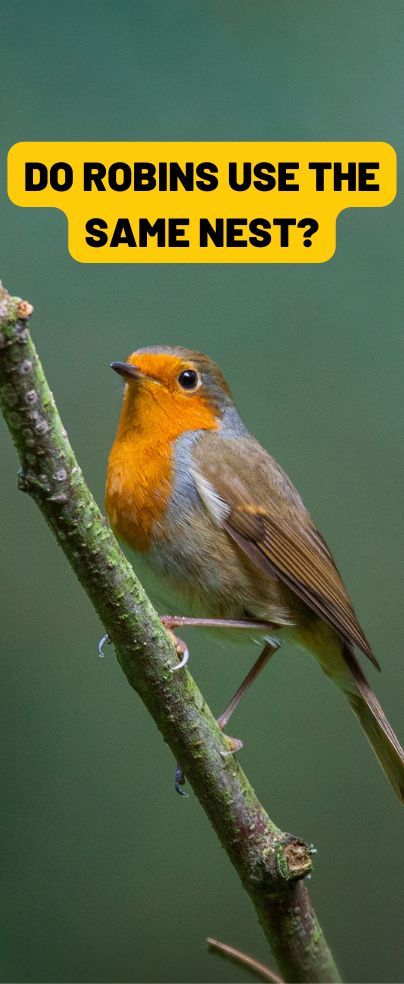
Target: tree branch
271,864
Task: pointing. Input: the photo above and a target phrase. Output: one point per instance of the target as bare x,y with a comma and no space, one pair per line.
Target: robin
218,518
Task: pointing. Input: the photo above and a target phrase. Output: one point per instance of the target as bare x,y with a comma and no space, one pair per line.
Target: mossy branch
271,864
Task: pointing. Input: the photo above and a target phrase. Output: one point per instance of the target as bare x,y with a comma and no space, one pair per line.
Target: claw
180,781
105,641
183,661
181,649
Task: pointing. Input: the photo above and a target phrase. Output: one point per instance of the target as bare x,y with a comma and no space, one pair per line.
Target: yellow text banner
221,202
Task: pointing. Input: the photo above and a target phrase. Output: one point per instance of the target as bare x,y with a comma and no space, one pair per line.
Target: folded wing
291,550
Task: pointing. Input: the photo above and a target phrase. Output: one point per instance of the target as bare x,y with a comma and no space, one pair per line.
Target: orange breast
141,466
138,488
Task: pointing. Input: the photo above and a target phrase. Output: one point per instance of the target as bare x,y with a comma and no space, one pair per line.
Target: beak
126,370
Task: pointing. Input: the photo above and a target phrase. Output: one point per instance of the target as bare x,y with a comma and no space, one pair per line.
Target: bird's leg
171,622
271,645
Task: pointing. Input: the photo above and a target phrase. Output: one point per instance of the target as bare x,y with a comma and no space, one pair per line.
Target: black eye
188,379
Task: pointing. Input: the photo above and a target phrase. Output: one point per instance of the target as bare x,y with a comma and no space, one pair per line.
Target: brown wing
295,553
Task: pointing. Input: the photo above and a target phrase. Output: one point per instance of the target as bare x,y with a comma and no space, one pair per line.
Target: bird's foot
181,649
234,745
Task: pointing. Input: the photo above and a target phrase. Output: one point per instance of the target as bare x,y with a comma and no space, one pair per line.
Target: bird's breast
138,489
154,506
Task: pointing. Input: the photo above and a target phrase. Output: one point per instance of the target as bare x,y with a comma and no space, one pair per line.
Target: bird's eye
189,379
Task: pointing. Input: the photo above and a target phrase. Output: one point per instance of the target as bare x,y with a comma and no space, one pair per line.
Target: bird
219,520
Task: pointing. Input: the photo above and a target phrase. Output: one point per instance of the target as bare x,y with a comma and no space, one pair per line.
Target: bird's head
171,390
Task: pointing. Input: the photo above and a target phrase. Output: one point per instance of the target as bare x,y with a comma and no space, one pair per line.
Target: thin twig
271,864
244,960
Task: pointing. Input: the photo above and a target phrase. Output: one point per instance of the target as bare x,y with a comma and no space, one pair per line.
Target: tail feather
379,732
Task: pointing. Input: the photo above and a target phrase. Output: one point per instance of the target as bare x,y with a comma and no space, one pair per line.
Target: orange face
165,396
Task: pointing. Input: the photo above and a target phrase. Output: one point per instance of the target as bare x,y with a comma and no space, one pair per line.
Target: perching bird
216,516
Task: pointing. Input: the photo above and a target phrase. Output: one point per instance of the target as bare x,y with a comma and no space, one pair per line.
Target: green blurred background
106,874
